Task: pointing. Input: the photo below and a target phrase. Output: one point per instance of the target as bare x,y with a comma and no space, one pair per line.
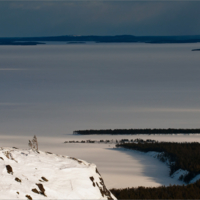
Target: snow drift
28,174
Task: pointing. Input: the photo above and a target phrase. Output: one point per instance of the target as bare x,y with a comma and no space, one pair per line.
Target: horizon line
93,35
99,0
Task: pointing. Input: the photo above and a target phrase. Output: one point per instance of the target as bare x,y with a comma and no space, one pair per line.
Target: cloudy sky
45,18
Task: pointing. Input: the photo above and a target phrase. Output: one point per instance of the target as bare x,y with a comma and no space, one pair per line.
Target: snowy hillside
28,174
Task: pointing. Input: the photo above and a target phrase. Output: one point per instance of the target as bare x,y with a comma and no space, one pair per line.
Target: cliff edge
29,174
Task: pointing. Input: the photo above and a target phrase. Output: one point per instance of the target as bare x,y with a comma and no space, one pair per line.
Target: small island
195,49
75,42
137,131
106,39
21,43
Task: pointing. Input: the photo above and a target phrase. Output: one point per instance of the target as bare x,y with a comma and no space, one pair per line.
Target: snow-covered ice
119,168
28,174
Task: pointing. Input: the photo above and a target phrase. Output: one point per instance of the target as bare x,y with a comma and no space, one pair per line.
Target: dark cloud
20,18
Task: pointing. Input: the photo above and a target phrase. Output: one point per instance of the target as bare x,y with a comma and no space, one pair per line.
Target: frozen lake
51,90
56,89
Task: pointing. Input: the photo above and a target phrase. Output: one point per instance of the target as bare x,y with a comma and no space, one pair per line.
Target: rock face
26,174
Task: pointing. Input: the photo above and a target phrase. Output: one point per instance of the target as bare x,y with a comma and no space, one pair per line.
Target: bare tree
30,144
33,144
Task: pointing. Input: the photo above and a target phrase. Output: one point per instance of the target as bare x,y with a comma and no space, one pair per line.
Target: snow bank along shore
179,174
29,174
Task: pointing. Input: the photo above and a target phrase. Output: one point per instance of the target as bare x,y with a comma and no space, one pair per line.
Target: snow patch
153,154
159,155
179,174
196,178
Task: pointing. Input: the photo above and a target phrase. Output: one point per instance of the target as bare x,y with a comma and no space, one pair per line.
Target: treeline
109,39
191,191
137,131
16,43
184,156
94,141
109,141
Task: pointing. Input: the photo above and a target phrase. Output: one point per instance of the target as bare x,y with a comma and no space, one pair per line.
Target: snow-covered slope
27,174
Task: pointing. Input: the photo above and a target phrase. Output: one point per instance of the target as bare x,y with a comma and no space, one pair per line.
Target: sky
50,18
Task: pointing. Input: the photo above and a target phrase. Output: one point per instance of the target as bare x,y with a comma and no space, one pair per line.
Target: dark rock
18,180
98,172
104,191
92,178
35,190
29,197
9,169
44,179
75,159
42,190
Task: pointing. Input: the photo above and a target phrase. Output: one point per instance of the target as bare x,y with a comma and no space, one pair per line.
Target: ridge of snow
153,153
160,156
179,173
196,178
26,174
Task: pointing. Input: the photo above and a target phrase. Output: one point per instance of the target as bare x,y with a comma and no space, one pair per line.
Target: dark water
55,89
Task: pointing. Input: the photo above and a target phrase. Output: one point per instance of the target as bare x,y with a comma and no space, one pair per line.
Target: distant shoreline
195,49
16,43
102,39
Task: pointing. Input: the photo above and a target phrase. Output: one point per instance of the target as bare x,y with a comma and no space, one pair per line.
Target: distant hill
103,39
